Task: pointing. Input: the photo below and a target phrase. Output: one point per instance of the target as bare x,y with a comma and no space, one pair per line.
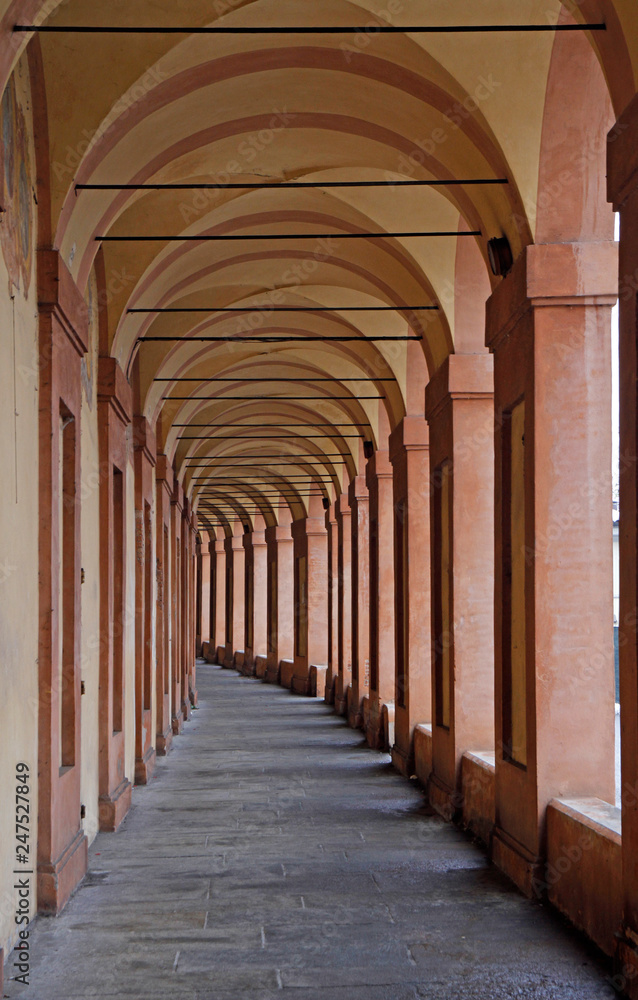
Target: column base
261,667
374,727
144,767
317,682
286,673
525,869
186,710
444,799
342,697
403,761
164,742
228,661
625,978
1,972
331,683
273,673
177,724
300,684
113,808
355,711
194,697
58,879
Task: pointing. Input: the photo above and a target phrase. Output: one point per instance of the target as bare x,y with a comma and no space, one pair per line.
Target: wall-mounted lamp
500,255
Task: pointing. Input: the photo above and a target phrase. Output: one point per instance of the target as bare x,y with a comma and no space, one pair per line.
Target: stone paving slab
275,854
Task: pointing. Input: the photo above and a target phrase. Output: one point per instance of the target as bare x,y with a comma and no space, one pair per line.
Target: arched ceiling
186,109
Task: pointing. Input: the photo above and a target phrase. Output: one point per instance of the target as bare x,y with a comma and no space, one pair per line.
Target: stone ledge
317,681
261,666
583,875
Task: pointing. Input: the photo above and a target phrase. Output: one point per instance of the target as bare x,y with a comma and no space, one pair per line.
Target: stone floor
275,854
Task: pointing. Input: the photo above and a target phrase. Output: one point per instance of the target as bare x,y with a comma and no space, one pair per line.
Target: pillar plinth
409,454
460,413
360,524
548,326
191,628
235,595
280,609
344,603
622,175
310,599
382,649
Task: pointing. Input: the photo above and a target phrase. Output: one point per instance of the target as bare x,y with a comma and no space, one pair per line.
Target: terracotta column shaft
409,454
344,603
359,505
311,599
622,177
220,599
177,504
280,588
333,603
382,610
164,492
460,412
548,326
235,595
256,599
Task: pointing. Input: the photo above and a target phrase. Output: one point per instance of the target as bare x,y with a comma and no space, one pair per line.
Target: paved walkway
274,855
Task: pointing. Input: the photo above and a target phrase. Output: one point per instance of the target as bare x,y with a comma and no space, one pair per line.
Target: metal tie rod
238,378
280,185
383,29
252,399
361,338
262,307
243,237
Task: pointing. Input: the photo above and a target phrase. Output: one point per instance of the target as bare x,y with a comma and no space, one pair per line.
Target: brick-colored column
204,597
256,599
382,651
409,454
185,620
344,603
360,518
177,505
280,610
63,334
548,327
145,571
235,594
333,603
311,599
212,583
114,412
192,609
460,413
622,178
220,598
164,480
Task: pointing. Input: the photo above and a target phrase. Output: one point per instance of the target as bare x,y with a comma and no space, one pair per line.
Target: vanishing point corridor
275,853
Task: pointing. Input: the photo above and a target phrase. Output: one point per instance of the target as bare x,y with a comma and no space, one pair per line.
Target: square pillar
382,640
144,444
622,180
164,485
280,610
212,599
409,454
333,603
204,594
63,334
235,594
311,601
191,674
548,326
256,598
220,599
114,412
359,505
344,604
177,506
460,413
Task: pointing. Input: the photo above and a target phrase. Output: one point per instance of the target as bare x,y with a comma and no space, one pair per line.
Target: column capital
412,434
461,376
357,490
113,389
279,533
342,506
164,474
60,297
144,439
378,467
551,275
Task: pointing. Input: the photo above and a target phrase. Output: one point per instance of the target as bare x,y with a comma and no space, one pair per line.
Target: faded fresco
18,209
